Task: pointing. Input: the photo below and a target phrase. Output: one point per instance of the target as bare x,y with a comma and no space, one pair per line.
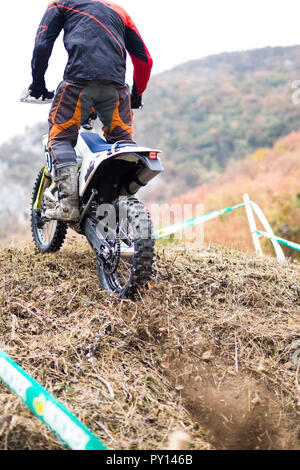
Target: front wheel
48,236
128,263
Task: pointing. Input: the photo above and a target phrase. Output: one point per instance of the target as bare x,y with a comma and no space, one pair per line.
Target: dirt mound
210,347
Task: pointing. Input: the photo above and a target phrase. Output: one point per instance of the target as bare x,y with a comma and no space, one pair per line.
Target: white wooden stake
278,250
252,224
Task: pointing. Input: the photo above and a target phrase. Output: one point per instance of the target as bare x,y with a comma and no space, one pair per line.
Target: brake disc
111,264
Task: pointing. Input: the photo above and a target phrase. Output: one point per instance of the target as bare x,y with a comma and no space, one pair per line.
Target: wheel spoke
126,265
123,275
47,233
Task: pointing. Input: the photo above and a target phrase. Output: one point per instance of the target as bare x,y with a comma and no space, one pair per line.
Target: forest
207,113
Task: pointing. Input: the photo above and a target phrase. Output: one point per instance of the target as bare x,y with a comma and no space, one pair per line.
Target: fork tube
41,190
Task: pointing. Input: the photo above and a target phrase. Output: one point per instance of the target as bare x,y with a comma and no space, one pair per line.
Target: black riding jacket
97,34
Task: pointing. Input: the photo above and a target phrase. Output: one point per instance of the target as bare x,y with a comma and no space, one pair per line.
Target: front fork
45,182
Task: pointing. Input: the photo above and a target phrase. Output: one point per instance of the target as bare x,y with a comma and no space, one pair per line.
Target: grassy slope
208,348
271,177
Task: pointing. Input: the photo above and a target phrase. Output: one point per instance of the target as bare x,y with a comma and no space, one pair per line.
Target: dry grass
208,348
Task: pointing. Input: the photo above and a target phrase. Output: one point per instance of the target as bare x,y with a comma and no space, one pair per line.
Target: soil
209,347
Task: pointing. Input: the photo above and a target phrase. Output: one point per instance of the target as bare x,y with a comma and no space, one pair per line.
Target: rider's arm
51,25
140,56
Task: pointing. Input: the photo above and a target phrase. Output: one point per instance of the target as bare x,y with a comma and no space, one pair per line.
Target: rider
97,34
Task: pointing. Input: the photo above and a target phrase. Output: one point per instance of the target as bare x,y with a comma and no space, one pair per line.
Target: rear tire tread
143,260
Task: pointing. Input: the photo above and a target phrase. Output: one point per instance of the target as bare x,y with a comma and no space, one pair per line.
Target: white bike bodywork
89,160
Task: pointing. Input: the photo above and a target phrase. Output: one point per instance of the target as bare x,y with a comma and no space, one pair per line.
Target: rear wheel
48,236
128,263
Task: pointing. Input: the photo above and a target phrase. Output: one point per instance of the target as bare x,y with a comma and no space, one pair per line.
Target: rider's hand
38,90
136,100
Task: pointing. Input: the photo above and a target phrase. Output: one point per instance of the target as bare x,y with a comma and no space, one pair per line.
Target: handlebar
27,98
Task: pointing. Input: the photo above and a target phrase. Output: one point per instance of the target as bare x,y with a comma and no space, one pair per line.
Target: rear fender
100,168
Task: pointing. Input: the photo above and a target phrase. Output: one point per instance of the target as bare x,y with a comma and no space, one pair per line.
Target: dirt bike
116,224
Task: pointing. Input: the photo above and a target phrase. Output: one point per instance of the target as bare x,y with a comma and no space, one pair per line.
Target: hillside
271,178
20,160
202,114
212,348
207,112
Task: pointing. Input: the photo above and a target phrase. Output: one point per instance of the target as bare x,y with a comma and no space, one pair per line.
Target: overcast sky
174,31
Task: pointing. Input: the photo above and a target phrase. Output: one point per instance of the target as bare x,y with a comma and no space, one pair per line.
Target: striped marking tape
191,222
49,410
288,243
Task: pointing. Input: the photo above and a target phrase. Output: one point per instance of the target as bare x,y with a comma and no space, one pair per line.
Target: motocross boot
67,210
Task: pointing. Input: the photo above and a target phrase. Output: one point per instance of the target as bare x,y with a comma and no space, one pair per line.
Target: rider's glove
39,90
136,100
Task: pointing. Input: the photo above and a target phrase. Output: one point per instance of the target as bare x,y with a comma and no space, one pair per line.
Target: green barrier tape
68,428
293,245
190,223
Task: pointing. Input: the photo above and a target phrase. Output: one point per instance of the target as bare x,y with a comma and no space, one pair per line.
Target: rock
178,440
4,419
207,356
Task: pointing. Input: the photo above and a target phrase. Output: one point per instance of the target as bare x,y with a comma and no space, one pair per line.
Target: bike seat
96,144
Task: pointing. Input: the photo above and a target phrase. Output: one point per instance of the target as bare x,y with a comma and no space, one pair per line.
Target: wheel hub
111,255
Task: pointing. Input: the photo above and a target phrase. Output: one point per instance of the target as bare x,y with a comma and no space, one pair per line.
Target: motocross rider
97,34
